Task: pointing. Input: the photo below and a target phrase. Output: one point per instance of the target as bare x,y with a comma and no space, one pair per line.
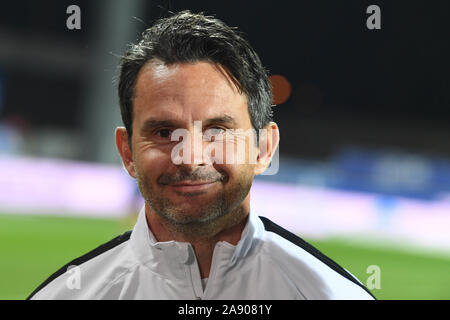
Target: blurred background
364,116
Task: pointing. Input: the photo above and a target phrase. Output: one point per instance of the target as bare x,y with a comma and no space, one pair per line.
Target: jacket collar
170,256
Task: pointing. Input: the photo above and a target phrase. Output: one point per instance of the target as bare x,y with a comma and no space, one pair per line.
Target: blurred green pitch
33,247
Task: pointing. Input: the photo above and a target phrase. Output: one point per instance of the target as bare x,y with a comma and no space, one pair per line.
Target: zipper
194,272
212,271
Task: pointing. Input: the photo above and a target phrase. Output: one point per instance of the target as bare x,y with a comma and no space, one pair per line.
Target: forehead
189,91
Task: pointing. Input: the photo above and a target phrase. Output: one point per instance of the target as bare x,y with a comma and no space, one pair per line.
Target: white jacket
267,263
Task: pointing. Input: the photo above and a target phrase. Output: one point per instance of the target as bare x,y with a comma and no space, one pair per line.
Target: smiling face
201,196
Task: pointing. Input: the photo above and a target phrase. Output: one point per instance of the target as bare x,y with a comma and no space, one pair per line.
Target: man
196,104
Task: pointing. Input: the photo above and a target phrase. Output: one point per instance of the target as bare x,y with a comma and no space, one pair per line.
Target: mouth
192,186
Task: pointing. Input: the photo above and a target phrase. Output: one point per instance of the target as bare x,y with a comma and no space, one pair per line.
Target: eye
216,130
164,133
212,133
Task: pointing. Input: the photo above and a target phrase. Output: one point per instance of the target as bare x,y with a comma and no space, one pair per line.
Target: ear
269,138
125,151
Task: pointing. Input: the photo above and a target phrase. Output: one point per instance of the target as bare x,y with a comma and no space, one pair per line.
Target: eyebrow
225,119
151,124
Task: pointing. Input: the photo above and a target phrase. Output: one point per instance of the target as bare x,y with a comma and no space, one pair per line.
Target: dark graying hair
186,37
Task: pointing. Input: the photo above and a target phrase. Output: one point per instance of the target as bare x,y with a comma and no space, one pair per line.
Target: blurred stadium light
339,198
62,187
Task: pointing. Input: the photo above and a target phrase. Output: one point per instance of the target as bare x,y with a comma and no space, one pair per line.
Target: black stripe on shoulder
88,256
273,227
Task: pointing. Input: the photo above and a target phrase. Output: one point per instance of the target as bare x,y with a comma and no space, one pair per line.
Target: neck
229,229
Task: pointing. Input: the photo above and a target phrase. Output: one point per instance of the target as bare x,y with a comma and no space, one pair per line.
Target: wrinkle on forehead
185,90
162,71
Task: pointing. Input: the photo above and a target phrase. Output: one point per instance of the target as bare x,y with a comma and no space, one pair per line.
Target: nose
189,153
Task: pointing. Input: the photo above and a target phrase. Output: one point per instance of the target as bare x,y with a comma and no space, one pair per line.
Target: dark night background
385,88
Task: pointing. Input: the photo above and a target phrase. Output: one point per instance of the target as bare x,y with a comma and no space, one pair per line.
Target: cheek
240,150
151,163
236,173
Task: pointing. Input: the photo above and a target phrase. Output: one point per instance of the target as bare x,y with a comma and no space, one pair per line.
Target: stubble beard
209,219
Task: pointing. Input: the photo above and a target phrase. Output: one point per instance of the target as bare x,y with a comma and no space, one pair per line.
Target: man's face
172,97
